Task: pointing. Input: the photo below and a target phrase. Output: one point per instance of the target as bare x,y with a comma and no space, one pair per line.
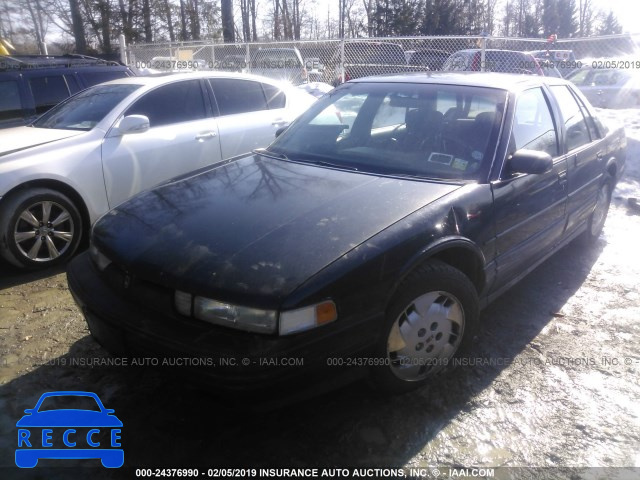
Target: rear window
238,96
275,97
48,91
10,106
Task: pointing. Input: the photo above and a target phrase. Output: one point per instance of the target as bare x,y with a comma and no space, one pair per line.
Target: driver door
530,209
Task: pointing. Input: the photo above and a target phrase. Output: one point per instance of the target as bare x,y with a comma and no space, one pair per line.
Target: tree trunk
167,7
146,15
105,20
228,33
253,21
78,27
276,20
183,21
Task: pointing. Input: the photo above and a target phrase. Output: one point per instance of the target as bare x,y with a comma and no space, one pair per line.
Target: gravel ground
555,381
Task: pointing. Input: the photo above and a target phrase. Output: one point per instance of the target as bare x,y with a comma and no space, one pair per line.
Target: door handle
279,123
206,135
562,179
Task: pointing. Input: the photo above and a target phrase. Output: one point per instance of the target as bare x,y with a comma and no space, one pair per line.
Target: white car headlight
226,314
99,259
306,318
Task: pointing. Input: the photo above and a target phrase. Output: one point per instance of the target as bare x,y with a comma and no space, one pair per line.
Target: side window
174,103
574,122
48,91
533,126
275,97
389,114
73,84
593,128
238,96
10,106
343,112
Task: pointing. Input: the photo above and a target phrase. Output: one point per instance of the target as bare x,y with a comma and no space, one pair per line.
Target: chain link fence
612,58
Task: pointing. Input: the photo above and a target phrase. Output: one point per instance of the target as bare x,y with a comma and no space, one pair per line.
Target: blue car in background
41,427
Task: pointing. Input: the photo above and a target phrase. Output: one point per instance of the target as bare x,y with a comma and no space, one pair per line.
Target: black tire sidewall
589,237
11,209
432,276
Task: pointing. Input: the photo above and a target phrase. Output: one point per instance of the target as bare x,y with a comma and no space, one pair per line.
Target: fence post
342,60
483,51
123,49
247,57
43,48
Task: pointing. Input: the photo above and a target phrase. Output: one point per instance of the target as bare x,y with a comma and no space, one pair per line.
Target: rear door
584,156
250,113
529,208
183,136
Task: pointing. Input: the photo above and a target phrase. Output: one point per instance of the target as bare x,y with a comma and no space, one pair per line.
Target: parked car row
374,227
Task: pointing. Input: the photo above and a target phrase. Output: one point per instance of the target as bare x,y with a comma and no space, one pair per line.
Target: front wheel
430,321
39,228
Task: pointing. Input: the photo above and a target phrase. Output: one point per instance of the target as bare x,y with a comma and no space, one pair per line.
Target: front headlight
99,259
226,314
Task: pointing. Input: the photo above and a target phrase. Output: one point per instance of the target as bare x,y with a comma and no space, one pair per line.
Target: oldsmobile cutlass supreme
370,233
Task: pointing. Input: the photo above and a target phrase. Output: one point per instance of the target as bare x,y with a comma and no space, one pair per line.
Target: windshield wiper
313,161
270,154
324,163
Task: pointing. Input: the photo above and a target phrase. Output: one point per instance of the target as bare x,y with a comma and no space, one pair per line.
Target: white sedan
111,141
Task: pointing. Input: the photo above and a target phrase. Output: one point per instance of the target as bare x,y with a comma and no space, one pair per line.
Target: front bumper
142,324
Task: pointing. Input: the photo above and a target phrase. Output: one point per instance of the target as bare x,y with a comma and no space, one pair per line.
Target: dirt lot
556,381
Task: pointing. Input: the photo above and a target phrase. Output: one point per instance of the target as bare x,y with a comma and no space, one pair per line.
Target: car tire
595,222
431,319
39,228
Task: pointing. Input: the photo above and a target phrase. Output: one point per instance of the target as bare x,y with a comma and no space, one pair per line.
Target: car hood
256,227
20,138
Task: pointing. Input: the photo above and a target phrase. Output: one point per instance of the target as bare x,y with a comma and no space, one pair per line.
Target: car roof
473,50
502,81
164,78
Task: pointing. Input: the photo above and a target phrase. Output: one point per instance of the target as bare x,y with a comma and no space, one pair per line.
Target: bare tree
228,32
78,26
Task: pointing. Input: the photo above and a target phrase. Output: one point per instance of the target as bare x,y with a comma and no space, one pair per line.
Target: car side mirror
280,130
133,124
530,161
29,411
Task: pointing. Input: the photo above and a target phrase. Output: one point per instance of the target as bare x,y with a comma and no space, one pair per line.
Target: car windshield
86,109
419,130
66,402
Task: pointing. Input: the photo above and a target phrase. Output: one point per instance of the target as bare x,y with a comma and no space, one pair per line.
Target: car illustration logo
52,430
